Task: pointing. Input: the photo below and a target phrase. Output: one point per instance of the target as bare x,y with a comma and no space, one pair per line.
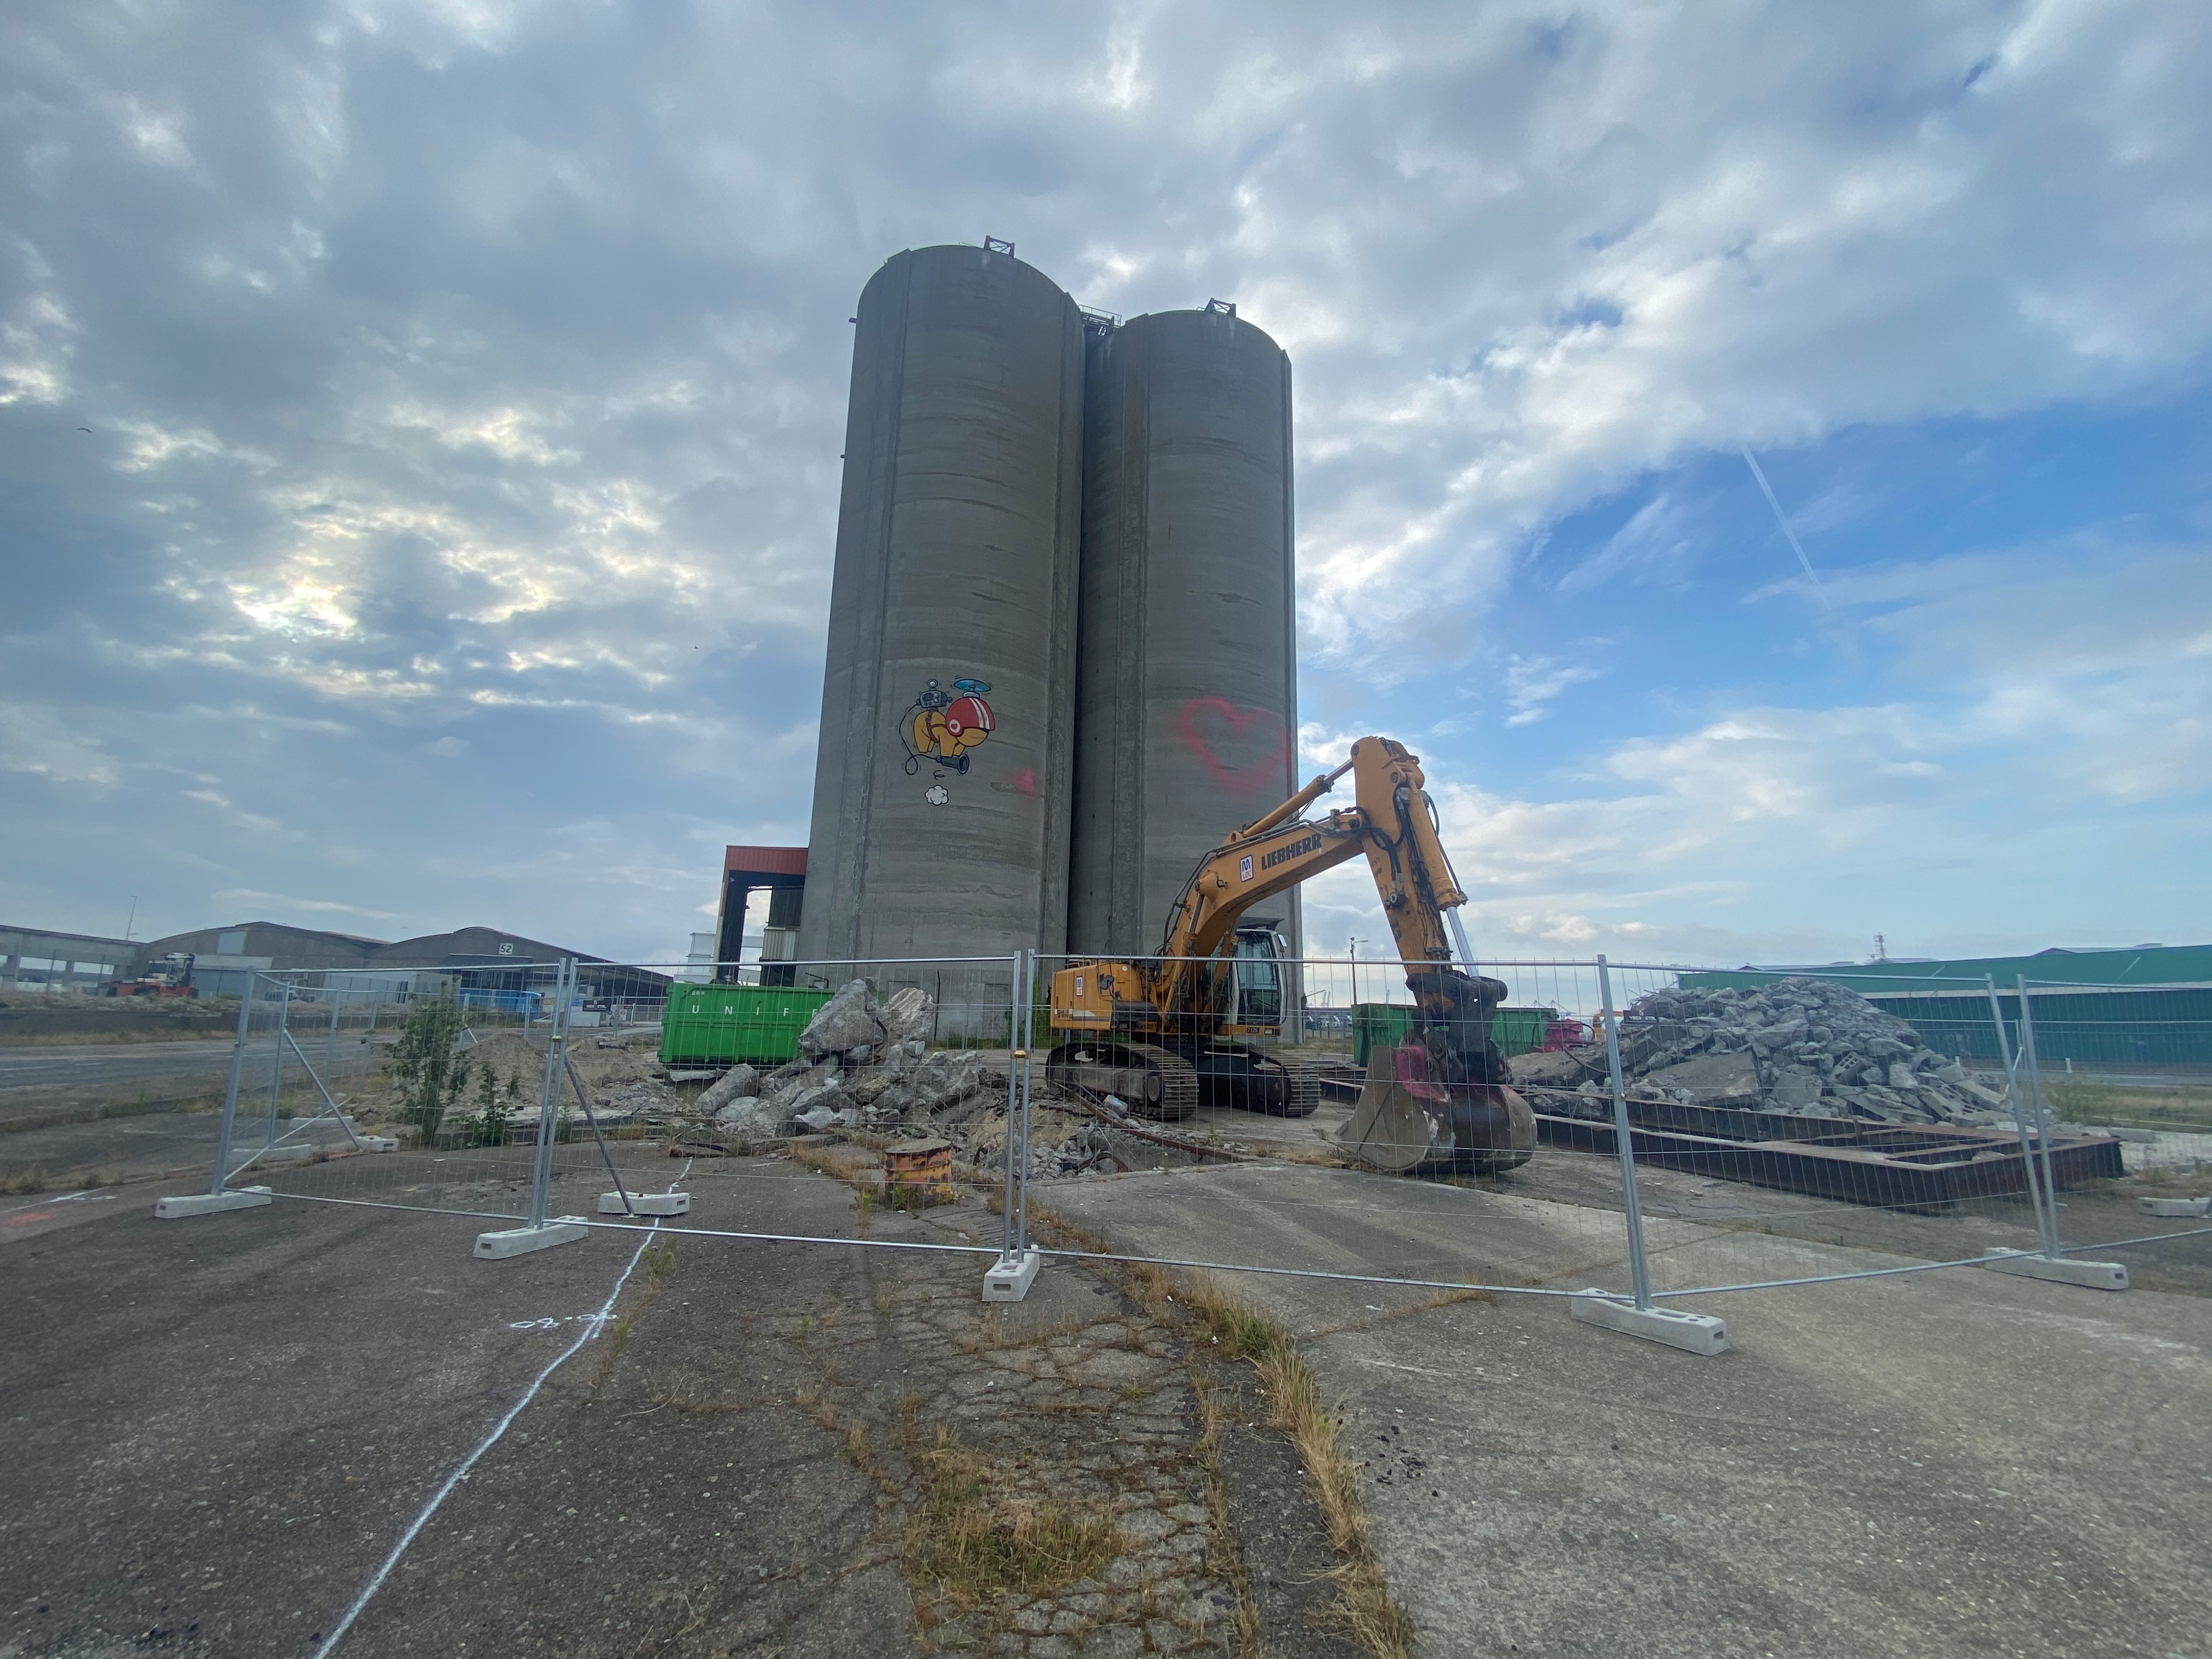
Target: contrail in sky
1767,488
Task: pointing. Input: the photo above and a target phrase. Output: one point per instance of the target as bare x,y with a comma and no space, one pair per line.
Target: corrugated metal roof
2144,964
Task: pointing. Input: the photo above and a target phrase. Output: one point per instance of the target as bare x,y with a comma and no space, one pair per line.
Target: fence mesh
1782,1127
532,1106
2134,1062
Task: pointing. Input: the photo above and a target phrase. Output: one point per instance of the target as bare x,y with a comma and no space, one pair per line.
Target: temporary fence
1688,1132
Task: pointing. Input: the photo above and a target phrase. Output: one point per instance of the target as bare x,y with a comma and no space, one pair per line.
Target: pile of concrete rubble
861,1064
1800,1045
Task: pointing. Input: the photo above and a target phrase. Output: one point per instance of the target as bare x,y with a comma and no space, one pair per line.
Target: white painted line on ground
591,1329
34,1204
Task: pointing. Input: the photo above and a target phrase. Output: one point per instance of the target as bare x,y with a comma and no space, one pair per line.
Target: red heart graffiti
1268,772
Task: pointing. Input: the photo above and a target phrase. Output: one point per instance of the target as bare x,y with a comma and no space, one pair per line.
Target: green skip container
1384,1024
723,1025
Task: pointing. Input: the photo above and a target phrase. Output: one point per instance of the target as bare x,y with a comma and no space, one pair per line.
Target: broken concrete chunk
846,1021
907,1015
1721,1079
946,1078
752,1118
733,1085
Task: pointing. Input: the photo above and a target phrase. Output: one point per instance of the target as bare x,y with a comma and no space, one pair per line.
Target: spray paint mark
1246,750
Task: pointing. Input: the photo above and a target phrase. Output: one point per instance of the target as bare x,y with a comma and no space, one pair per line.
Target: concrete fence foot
645,1204
244,1198
2059,1270
2182,1208
1700,1333
1010,1276
521,1241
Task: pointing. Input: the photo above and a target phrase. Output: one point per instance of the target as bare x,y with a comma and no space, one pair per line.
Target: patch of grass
999,1333
1228,1554
2084,1101
1365,1605
25,1181
1364,1609
845,1163
912,1195
659,1260
974,1543
688,1397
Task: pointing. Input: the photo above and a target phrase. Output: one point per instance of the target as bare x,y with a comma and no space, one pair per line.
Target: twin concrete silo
1187,723
1061,651
943,770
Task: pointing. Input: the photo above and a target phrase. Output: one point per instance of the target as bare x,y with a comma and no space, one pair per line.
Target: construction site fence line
1593,1227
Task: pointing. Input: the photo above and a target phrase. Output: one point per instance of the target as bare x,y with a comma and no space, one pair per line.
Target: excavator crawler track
1169,1090
1305,1088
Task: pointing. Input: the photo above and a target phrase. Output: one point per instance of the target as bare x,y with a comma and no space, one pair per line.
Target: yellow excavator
1161,1032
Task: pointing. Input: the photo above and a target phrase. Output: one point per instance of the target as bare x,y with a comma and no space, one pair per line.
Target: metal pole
2051,1243
1007,1198
330,1041
1021,1059
230,1088
2044,1226
1639,1271
592,1118
277,1068
541,1174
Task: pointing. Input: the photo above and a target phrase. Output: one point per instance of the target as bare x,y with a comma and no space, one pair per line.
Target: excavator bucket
1405,1120
1402,1120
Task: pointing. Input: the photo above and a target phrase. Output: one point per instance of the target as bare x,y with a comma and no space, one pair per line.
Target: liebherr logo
1296,849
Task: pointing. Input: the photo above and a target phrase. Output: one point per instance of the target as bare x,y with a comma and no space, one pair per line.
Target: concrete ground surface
139,1145
2089,1215
1955,1462
50,1084
218,1427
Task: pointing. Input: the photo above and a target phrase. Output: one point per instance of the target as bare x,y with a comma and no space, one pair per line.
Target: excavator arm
1392,822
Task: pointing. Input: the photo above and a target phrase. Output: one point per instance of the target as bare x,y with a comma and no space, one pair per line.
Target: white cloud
437,403
35,347
1532,682
42,740
283,902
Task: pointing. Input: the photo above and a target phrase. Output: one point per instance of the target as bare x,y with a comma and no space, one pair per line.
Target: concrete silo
1186,723
940,822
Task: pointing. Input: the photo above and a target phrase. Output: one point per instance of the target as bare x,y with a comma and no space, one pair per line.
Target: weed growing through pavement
974,1543
1364,1609
659,1260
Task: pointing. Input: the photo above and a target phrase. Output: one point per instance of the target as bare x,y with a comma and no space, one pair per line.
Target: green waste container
722,1024
1378,1025
1521,1030
1384,1024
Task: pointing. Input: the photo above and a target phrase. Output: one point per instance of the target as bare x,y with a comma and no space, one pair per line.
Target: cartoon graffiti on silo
941,730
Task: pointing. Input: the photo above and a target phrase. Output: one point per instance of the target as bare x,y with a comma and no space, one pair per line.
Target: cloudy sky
419,430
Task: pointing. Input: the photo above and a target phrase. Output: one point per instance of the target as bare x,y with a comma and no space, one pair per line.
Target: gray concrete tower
942,780
1186,723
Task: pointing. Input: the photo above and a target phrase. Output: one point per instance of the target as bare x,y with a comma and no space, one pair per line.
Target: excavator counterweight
1163,1032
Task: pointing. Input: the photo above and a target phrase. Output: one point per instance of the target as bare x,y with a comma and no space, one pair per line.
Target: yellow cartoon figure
941,729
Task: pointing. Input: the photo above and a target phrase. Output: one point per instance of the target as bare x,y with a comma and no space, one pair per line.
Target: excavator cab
1257,974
